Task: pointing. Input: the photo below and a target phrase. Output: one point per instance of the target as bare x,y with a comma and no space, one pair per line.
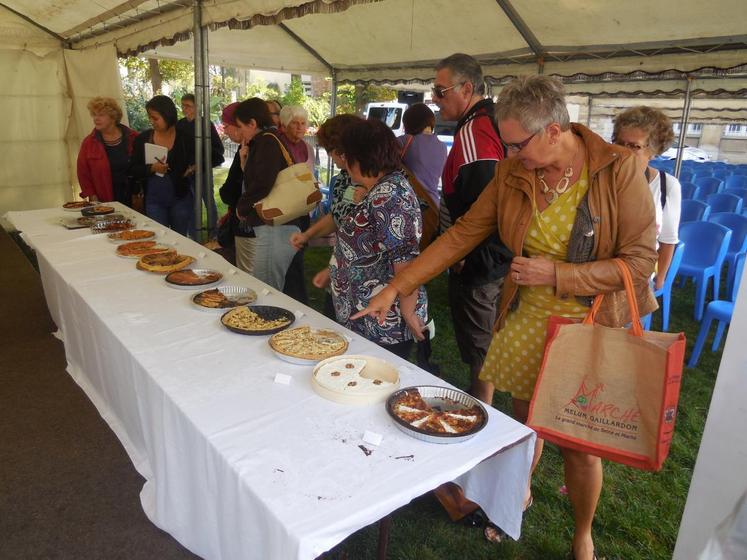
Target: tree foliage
230,84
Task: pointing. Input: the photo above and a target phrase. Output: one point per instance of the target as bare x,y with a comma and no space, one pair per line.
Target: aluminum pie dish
240,294
203,273
109,226
442,399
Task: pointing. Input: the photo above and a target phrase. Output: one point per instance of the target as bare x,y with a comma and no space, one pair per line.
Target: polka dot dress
515,354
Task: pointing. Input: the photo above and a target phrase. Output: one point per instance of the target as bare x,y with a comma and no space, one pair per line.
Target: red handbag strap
635,315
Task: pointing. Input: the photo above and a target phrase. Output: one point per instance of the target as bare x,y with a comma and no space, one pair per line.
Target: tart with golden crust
217,299
132,235
136,249
77,205
309,344
163,263
191,277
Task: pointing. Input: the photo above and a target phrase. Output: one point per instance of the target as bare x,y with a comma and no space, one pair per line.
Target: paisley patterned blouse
381,231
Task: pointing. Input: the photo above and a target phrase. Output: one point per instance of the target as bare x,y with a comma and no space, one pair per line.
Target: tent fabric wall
83,85
44,93
33,123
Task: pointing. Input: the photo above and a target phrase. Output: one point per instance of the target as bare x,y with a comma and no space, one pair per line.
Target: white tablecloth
236,465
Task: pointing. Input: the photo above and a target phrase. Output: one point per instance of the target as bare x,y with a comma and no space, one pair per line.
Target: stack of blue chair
706,245
694,211
736,182
718,310
707,186
685,175
665,292
689,190
738,244
724,202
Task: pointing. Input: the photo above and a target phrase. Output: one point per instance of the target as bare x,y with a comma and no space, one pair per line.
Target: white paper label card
372,438
282,378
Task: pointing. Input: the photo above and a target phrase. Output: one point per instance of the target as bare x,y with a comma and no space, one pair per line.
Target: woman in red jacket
104,155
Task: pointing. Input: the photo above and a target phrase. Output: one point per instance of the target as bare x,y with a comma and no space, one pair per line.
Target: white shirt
667,218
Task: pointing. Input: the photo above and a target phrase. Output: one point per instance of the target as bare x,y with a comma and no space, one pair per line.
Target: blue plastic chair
736,182
689,190
738,244
724,202
721,311
707,186
705,249
685,175
722,173
741,192
665,292
694,211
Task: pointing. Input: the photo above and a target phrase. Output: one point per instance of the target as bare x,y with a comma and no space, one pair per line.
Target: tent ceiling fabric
590,44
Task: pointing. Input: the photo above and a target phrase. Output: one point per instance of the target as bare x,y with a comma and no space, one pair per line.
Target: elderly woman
566,204
647,132
344,195
262,159
294,124
104,156
377,239
169,199
422,152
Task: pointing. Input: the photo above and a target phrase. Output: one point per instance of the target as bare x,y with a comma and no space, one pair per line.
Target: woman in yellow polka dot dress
566,203
515,355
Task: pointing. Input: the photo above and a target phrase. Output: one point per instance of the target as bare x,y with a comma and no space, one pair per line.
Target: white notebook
155,152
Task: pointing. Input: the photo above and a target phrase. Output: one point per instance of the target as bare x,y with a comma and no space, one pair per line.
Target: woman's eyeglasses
518,146
440,92
631,145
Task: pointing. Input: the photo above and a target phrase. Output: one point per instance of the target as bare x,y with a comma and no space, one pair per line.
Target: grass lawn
639,512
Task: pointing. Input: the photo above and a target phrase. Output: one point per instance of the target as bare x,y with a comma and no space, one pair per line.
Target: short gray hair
534,101
290,112
464,68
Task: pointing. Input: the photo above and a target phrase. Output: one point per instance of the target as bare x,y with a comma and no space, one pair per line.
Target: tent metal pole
683,127
207,183
590,106
199,84
332,112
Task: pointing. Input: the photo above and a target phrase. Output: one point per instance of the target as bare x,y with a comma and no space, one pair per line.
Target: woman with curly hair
647,132
104,155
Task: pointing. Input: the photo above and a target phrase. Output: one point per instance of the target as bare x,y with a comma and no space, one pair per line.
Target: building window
738,130
693,129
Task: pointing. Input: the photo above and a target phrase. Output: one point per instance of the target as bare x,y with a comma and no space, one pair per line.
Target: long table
238,466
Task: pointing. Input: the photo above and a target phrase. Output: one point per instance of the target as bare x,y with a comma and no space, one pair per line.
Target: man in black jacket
187,126
475,282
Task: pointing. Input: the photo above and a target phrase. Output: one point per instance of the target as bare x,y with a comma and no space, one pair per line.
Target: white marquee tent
55,56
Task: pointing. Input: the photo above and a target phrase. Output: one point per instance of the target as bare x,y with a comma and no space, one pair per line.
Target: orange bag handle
635,315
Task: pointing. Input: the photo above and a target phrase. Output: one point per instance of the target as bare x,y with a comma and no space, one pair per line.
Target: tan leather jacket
622,212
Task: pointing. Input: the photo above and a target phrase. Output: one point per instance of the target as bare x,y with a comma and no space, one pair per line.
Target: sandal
493,533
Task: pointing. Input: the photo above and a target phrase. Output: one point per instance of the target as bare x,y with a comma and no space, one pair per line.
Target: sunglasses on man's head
439,92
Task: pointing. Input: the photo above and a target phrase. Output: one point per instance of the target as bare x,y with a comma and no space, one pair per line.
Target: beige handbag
293,195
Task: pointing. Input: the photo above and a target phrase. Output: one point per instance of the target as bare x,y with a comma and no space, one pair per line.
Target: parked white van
390,113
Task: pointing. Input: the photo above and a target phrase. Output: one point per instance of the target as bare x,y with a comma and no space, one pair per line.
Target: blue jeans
273,254
162,205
